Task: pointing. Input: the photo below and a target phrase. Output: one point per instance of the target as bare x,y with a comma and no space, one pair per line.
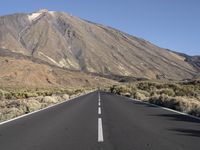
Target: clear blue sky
173,24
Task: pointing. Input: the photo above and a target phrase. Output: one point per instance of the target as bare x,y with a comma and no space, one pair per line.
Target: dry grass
14,103
183,97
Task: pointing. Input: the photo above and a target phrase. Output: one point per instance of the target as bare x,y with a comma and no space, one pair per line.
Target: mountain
17,71
69,42
194,60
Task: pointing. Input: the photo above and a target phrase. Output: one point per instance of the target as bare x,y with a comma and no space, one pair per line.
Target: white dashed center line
99,111
100,130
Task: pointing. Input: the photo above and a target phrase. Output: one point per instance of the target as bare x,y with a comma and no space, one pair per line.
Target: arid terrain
181,96
26,73
73,43
47,57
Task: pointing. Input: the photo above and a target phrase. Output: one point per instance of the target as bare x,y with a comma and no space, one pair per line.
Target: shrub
1,94
32,105
65,96
22,101
2,104
49,99
167,91
14,104
139,95
6,113
8,95
195,110
179,103
165,101
30,94
112,89
178,96
123,90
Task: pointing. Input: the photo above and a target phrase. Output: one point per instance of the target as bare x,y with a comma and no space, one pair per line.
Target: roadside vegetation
14,102
184,97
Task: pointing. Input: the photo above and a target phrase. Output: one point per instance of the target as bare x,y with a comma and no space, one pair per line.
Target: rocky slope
194,61
70,42
18,71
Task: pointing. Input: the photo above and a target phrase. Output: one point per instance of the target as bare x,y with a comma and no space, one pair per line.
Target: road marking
99,111
168,109
100,130
99,96
165,108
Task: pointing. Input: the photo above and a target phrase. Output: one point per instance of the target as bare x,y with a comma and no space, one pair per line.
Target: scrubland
15,102
181,96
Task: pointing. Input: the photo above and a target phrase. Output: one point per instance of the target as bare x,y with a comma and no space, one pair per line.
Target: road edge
25,115
165,108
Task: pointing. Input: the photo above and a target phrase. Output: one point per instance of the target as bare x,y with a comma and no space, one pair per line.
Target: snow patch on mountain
52,12
33,16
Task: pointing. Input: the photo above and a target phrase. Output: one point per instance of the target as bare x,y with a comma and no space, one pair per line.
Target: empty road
101,121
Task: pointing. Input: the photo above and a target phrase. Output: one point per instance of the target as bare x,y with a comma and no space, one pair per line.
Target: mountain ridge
70,42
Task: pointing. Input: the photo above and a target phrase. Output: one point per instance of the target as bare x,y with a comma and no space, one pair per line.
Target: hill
69,42
21,71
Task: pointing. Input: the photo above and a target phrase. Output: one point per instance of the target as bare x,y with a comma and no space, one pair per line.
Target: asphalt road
105,122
